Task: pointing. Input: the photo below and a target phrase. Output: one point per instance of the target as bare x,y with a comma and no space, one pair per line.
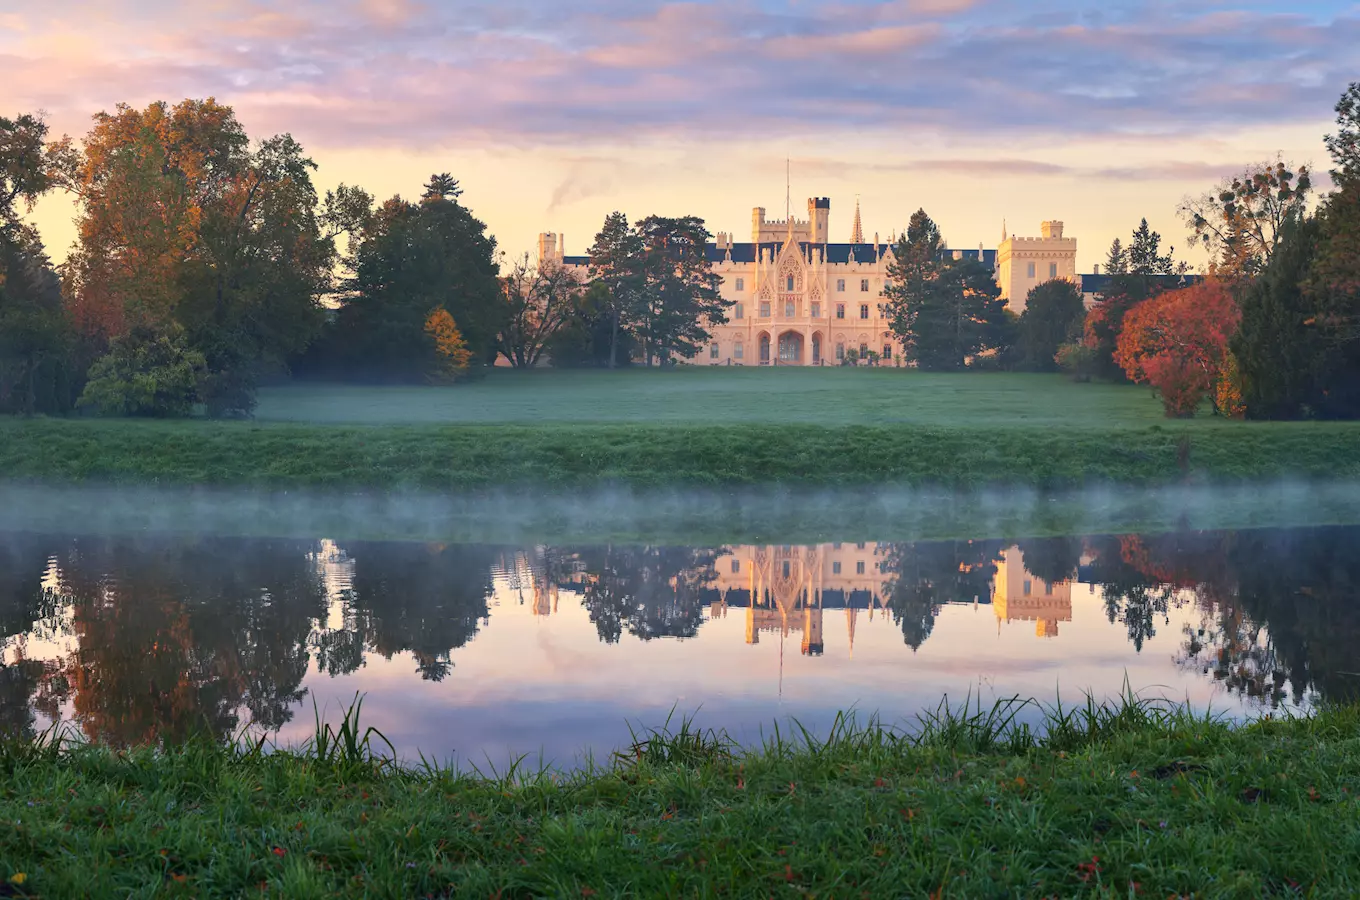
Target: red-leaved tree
1178,343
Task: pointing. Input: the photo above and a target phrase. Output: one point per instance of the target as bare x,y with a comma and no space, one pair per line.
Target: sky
554,113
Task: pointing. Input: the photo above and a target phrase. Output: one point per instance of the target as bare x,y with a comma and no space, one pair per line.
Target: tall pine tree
946,312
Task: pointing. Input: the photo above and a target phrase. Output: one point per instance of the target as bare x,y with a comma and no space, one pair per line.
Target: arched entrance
791,348
816,348
764,349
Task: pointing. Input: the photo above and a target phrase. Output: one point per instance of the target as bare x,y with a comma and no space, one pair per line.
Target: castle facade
801,300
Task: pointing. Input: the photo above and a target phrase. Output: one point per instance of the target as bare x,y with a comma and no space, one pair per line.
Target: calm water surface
474,652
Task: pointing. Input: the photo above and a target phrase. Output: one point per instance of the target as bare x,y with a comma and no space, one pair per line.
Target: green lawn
1125,802
727,396
695,426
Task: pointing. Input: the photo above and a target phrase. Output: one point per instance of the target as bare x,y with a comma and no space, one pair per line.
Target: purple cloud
421,73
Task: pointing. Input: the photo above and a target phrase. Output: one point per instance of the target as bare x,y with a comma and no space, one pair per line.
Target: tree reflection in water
157,639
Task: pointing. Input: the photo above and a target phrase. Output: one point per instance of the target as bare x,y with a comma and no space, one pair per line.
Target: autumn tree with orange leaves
1178,343
451,353
185,227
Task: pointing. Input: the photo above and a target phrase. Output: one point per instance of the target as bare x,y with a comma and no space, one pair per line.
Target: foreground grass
642,455
1128,801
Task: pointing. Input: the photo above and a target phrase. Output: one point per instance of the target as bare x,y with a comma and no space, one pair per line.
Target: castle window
713,352
864,284
740,310
789,309
1048,590
741,284
1029,270
863,351
816,310
788,284
1052,270
864,310
1028,587
840,284
861,546
887,351
835,546
840,352
765,308
738,350
835,568
859,567
840,310
786,568
736,566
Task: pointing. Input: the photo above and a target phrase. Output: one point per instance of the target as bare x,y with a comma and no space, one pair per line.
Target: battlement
1041,240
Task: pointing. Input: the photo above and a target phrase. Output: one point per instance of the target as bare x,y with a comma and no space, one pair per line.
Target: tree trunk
614,339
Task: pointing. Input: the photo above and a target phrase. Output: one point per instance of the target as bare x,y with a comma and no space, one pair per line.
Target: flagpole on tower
788,188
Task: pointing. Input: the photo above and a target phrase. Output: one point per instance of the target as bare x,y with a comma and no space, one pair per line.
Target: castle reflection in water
783,588
143,638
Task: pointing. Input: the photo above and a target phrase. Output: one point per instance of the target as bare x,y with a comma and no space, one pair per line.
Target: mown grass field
1117,802
700,395
697,426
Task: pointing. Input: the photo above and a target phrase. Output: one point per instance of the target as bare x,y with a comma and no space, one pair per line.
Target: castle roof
1099,284
839,254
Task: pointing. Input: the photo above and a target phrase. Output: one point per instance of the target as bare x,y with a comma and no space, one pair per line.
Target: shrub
1078,359
145,374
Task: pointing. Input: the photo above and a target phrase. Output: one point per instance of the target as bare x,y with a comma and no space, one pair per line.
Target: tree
451,355
410,260
592,338
1178,343
1117,260
1135,272
679,292
541,300
1054,314
37,372
945,311
1279,347
1241,220
1144,253
184,224
29,166
1332,286
1344,146
616,263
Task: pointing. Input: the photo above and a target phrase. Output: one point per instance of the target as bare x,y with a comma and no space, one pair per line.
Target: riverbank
1133,800
644,455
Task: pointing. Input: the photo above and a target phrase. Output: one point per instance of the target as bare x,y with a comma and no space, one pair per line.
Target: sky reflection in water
471,653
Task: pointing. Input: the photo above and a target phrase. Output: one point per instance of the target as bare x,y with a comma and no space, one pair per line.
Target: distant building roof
1098,284
839,254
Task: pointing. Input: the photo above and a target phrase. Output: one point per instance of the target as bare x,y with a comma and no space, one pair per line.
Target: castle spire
1003,231
850,615
857,233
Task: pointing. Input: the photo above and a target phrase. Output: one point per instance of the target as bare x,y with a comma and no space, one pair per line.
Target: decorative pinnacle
857,232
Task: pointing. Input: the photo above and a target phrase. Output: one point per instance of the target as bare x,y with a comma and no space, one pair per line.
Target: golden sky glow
554,114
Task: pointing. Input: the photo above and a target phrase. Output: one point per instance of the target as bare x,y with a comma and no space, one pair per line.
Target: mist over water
677,515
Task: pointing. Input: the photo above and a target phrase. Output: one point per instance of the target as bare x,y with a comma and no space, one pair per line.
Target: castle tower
548,247
857,231
1024,262
819,212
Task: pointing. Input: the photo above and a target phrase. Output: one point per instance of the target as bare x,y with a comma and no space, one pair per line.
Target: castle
799,299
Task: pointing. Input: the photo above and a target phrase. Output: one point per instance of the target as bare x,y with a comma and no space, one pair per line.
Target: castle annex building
802,300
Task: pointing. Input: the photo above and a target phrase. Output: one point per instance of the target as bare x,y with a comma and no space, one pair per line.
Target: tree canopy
946,312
